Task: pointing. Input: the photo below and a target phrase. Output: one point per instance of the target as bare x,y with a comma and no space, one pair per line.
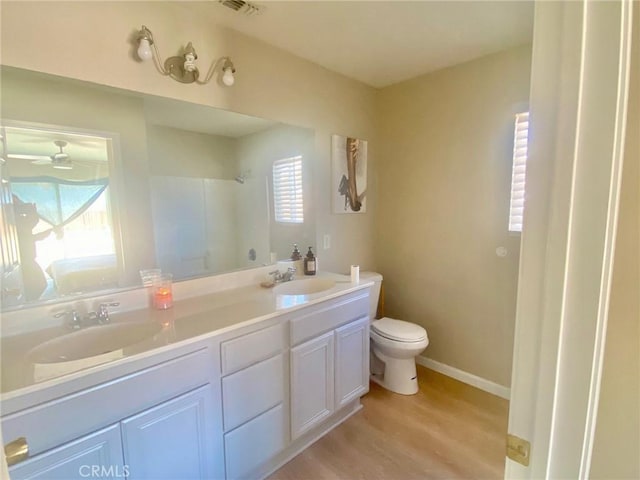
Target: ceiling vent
241,6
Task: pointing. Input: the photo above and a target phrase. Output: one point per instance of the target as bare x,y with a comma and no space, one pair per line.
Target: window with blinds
518,174
287,190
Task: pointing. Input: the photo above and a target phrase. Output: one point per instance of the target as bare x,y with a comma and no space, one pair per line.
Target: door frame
579,87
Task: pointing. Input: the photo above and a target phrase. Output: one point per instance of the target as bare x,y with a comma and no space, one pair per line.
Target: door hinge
518,449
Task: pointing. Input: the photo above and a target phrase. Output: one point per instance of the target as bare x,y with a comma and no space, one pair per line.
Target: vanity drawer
327,318
252,391
246,350
249,446
59,421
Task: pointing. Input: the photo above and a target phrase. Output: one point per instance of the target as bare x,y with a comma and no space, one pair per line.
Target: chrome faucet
102,314
75,320
283,277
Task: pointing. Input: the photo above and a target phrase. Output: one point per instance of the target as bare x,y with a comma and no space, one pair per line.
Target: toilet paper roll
355,273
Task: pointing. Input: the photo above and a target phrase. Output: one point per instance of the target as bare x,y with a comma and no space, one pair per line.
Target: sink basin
87,348
92,341
304,287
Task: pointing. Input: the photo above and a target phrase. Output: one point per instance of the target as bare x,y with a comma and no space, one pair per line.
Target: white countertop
189,319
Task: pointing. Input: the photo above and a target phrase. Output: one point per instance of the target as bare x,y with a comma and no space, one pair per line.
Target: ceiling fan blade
60,157
71,140
18,156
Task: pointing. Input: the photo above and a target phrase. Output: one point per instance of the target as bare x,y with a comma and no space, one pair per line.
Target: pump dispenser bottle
310,263
296,255
296,259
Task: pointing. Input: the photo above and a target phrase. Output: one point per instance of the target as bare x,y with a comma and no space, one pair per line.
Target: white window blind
518,174
287,190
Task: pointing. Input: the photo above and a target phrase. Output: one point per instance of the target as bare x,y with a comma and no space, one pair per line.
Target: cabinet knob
16,451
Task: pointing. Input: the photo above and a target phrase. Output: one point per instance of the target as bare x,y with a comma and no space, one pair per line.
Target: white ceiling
88,155
39,142
383,42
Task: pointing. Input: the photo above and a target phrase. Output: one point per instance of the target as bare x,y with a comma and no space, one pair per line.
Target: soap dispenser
296,255
310,264
296,258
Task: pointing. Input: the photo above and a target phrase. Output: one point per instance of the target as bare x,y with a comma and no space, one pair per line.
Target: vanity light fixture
182,68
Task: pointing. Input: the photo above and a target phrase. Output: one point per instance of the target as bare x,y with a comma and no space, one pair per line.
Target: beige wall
181,153
96,45
616,452
446,149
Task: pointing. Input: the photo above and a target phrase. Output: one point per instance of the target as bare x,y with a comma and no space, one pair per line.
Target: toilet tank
374,293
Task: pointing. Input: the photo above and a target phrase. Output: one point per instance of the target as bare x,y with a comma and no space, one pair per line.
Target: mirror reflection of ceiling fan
60,160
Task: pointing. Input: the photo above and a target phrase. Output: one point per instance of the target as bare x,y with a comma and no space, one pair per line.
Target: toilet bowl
394,347
395,344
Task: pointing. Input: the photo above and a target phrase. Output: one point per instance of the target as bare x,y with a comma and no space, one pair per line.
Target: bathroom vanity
232,385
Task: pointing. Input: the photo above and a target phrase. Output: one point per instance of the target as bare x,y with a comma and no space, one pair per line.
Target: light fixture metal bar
183,68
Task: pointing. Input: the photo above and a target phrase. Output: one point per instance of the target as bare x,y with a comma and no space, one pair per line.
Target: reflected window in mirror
287,190
59,202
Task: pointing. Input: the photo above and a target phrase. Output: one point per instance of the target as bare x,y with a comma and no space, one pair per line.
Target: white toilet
394,346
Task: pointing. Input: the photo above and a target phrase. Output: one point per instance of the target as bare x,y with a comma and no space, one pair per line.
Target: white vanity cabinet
352,361
233,404
330,368
98,452
161,422
172,440
284,378
255,402
312,383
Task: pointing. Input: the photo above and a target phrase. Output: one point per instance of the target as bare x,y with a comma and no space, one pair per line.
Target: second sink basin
304,287
92,342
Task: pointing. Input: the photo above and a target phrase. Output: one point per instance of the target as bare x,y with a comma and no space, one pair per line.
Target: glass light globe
144,50
227,77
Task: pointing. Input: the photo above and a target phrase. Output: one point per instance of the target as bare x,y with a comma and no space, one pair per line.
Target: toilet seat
399,330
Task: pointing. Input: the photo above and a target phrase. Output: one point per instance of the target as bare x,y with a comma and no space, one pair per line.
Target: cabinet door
173,440
98,455
312,379
352,361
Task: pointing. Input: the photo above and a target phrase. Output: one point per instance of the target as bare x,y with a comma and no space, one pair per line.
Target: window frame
517,189
293,195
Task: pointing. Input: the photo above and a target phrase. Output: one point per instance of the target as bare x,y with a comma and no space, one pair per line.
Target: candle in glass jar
163,298
162,294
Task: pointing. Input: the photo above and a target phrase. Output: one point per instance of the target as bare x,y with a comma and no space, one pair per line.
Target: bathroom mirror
135,182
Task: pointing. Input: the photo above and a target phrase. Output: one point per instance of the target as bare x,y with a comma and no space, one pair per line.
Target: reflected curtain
58,201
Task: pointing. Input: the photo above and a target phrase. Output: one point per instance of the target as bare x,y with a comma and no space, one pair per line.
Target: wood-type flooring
449,430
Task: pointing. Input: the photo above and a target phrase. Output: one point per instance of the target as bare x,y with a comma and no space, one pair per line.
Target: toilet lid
399,330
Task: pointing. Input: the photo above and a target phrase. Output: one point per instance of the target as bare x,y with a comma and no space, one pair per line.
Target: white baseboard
465,377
